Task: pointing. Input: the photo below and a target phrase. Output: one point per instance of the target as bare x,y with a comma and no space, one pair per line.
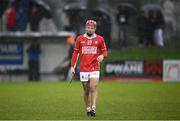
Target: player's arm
103,48
74,57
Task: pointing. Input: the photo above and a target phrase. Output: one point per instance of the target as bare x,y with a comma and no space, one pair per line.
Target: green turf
50,101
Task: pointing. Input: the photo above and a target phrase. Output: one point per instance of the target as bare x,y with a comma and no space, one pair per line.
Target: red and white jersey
89,49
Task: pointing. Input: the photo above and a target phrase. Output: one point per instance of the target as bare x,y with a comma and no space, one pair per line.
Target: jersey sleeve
103,48
75,53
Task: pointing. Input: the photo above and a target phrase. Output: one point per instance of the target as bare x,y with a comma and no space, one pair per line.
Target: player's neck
89,35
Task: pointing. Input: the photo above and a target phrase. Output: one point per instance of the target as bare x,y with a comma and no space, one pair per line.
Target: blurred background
37,38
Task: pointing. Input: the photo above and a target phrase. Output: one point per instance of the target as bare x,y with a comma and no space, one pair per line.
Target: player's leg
86,96
94,93
86,89
94,80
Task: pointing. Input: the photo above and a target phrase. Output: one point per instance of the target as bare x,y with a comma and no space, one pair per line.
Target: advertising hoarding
171,70
134,69
11,53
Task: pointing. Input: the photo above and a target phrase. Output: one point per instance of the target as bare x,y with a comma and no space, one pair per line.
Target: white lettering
89,50
8,48
125,68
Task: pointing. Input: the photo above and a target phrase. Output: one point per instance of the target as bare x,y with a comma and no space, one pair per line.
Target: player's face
90,29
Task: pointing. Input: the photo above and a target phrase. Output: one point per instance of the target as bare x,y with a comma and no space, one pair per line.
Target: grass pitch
62,101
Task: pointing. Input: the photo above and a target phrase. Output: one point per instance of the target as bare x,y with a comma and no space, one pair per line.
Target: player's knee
93,88
86,91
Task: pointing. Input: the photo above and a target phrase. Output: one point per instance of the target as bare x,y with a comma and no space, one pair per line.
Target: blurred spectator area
169,9
61,21
26,15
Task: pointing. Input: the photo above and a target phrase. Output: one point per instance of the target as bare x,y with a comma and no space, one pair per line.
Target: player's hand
72,70
100,58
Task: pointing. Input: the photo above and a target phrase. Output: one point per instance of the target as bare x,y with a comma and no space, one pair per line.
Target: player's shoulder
99,37
79,38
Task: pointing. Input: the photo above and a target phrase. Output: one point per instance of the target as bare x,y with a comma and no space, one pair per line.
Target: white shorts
85,76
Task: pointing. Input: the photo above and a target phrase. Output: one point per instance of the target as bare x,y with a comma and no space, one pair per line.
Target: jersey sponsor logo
89,50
